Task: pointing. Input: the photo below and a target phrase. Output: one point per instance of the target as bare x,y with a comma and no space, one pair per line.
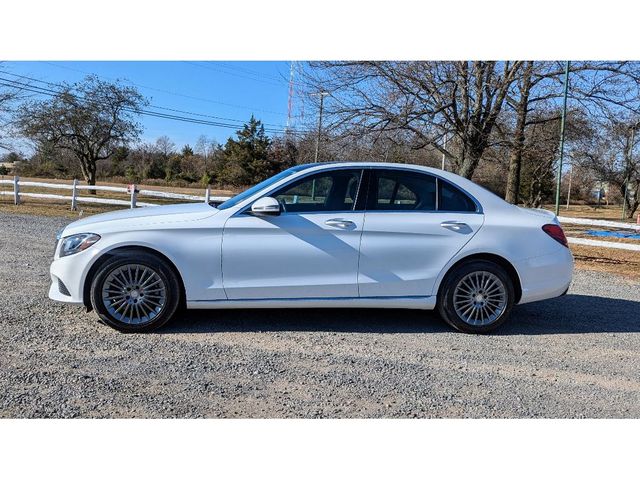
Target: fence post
207,194
133,195
16,190
74,193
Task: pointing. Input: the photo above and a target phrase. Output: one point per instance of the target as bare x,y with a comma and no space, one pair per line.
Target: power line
250,71
221,70
275,128
151,113
58,85
40,90
168,92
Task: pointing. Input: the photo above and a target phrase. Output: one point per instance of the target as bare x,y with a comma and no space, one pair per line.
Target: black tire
446,306
161,314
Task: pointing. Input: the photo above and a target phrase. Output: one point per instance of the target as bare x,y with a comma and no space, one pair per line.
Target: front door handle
455,226
340,223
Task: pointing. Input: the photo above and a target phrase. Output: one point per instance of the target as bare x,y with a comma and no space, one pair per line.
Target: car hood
139,218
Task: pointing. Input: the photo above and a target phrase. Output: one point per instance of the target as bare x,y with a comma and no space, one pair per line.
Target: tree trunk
88,169
632,201
470,162
89,174
515,159
92,181
515,166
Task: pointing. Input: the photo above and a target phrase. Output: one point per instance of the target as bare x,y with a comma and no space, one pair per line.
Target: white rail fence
601,223
601,243
132,191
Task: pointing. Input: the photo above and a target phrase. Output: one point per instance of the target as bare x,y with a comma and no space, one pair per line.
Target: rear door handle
455,226
339,223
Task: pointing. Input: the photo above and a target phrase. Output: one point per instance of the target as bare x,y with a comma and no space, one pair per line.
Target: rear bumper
546,276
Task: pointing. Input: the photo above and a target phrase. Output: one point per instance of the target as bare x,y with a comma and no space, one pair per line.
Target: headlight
77,243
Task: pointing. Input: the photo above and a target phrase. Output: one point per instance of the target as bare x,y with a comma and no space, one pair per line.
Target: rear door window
402,190
396,189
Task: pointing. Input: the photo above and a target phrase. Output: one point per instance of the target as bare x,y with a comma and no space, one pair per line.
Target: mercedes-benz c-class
319,235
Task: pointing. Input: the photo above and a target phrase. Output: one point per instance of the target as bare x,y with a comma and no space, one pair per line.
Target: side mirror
266,206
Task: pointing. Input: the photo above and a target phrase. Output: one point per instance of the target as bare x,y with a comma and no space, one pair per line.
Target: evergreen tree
247,160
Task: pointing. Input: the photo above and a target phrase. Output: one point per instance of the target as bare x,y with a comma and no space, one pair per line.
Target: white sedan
319,235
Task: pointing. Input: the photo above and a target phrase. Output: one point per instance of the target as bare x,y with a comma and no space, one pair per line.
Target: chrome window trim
337,212
422,211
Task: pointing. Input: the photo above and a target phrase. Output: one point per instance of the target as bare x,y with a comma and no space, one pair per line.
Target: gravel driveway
577,356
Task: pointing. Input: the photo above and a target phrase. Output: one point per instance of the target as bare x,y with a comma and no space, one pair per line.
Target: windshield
262,185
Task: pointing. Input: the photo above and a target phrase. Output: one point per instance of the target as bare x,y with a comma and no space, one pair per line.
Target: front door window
324,192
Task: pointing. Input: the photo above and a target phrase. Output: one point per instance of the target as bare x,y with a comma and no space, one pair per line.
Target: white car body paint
403,253
296,255
230,259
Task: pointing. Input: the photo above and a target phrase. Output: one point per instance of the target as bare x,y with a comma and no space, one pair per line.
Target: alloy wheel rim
134,294
480,298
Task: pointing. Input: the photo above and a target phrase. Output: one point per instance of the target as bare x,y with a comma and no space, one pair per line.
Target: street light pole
569,191
445,147
562,122
322,95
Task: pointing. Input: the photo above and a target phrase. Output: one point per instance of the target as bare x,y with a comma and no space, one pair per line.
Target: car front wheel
135,291
476,297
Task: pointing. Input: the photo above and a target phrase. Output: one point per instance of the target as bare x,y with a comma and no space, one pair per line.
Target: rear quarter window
452,199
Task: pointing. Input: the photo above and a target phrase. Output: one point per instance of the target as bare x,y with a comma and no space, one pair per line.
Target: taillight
555,232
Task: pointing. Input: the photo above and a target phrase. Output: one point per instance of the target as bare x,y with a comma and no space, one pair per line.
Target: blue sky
233,90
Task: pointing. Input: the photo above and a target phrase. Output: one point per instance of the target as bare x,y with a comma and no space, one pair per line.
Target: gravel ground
577,356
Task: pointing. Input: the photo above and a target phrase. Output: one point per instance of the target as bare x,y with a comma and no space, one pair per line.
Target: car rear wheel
476,297
135,291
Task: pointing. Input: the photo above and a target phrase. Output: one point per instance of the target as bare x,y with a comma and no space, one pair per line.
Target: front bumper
69,273
58,296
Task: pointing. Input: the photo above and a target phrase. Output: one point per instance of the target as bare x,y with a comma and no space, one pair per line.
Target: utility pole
626,170
562,122
322,95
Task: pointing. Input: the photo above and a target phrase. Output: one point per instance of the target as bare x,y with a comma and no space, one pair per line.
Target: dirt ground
597,259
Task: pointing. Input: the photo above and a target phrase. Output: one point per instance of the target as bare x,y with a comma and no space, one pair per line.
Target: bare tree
427,100
206,147
91,119
599,90
521,107
476,106
165,146
610,151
